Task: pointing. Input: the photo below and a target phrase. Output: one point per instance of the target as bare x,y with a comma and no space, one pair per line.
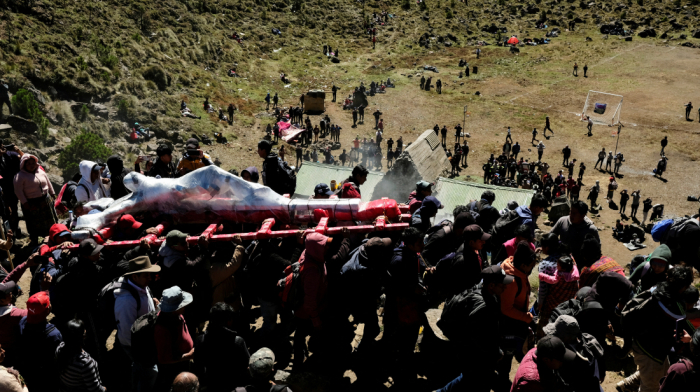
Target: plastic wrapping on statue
372,209
207,190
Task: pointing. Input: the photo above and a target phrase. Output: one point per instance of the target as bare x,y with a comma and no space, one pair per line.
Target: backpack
143,343
633,313
477,208
454,319
669,230
613,185
443,224
291,292
505,226
573,308
66,198
287,176
106,301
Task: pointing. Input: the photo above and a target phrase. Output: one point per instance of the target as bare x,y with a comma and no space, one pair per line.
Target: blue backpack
667,231
658,232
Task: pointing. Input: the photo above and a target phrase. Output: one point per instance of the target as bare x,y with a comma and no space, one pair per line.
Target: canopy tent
513,40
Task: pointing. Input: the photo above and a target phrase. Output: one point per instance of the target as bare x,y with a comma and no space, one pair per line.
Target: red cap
127,222
38,307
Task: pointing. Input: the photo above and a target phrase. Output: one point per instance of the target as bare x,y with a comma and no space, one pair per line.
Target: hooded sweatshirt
313,277
116,167
89,190
31,185
254,173
644,276
515,300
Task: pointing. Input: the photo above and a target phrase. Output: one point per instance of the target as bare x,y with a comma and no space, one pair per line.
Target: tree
87,146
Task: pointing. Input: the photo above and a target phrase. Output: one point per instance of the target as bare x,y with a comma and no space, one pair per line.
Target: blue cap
431,203
323,189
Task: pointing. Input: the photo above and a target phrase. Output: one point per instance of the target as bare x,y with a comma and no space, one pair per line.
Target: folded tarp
291,133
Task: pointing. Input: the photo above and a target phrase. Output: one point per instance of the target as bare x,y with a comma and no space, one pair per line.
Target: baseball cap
422,185
127,222
176,237
7,289
378,247
475,232
496,274
431,202
38,307
552,347
89,247
564,327
192,143
322,189
262,363
141,264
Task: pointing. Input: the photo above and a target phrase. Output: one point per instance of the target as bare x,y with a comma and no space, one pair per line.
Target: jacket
462,272
420,223
126,312
364,275
162,169
414,201
440,243
350,189
681,377
31,185
95,190
313,278
405,270
191,164
39,343
272,174
643,276
221,274
118,171
515,300
9,167
528,378
224,356
10,317
655,337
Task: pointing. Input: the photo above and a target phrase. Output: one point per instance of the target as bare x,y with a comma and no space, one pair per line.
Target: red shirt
570,183
356,143
9,328
172,338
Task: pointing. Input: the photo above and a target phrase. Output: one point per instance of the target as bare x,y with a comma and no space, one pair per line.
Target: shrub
123,107
136,37
86,146
81,63
448,13
26,106
84,111
157,75
423,6
453,3
640,3
105,77
406,4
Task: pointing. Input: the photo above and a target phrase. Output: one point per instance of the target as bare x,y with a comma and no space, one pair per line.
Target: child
564,285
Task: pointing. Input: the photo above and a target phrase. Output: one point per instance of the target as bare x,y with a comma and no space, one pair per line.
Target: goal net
602,108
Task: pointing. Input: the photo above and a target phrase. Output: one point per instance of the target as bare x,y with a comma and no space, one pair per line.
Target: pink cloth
291,133
283,125
31,185
511,246
565,276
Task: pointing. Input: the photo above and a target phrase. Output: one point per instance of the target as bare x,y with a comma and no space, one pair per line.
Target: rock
151,147
52,92
37,95
99,109
281,377
683,36
23,125
628,38
53,131
66,140
688,44
648,32
664,35
588,39
696,34
57,182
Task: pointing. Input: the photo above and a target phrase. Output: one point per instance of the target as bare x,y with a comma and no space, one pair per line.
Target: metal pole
619,129
464,120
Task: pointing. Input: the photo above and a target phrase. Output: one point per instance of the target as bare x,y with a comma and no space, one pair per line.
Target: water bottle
70,213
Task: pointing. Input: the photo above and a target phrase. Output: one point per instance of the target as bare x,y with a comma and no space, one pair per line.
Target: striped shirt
80,375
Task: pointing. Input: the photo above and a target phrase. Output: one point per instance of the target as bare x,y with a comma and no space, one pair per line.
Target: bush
84,111
448,13
123,107
640,3
86,146
423,6
406,4
26,106
81,63
157,75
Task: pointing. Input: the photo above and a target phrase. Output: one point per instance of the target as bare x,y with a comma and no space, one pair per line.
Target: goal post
602,108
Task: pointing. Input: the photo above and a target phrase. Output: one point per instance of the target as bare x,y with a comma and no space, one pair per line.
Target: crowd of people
183,311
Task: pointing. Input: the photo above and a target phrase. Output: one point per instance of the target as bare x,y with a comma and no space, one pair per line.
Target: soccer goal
602,108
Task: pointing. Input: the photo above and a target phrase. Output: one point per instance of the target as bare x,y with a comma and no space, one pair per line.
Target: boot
629,384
